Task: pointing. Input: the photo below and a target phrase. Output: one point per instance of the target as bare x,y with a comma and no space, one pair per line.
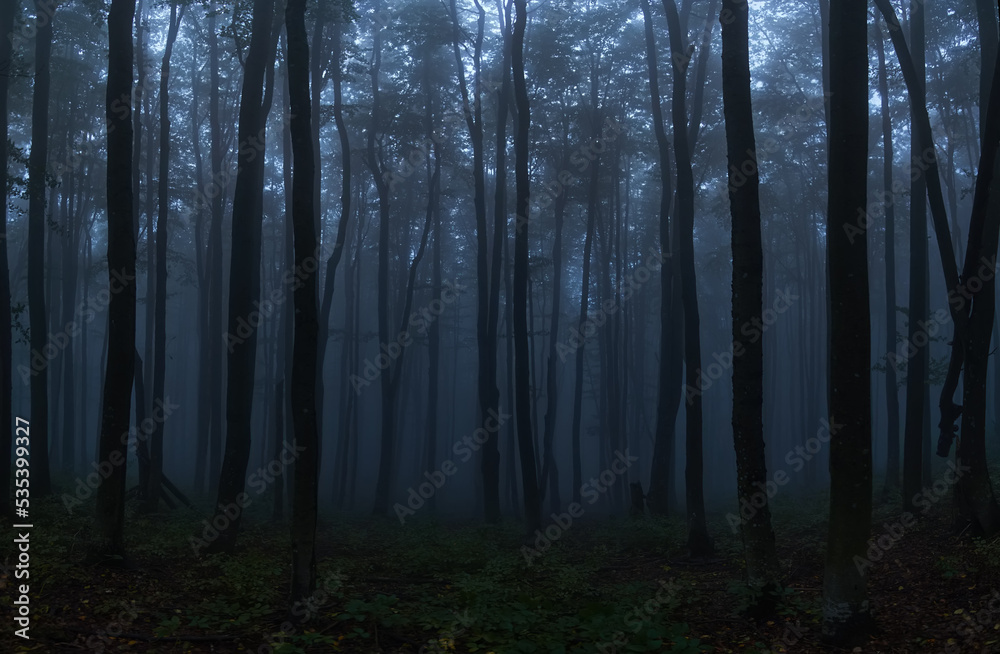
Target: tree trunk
525,440
846,611
116,403
244,276
891,390
304,355
748,299
6,382
215,260
37,164
699,542
662,466
152,493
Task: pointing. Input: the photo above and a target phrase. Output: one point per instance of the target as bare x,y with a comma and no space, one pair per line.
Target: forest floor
607,585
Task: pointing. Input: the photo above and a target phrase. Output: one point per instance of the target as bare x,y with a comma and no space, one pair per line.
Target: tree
152,491
917,366
699,542
244,275
119,372
891,391
666,409
6,410
526,443
304,354
37,183
487,289
748,278
846,611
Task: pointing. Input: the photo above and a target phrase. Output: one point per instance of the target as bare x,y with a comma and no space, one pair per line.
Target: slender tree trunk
215,260
917,365
6,382
891,390
846,612
986,13
37,164
699,542
748,299
662,466
244,276
152,492
304,355
119,374
525,440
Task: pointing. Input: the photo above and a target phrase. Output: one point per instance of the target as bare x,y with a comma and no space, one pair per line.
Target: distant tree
846,612
891,389
748,279
120,369
699,542
152,491
666,408
37,184
525,439
6,410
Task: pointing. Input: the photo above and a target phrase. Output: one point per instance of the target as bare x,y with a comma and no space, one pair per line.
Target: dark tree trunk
375,165
846,611
6,384
891,390
975,492
488,393
244,275
345,194
116,403
660,482
748,299
152,492
529,479
304,355
986,13
37,163
215,260
917,365
699,542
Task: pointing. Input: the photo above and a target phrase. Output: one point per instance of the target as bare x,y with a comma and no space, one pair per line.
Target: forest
500,326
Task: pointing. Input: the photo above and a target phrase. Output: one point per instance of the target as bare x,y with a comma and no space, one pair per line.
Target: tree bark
748,299
666,413
891,390
526,443
699,542
116,403
304,354
244,275
37,165
152,492
846,613
6,382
